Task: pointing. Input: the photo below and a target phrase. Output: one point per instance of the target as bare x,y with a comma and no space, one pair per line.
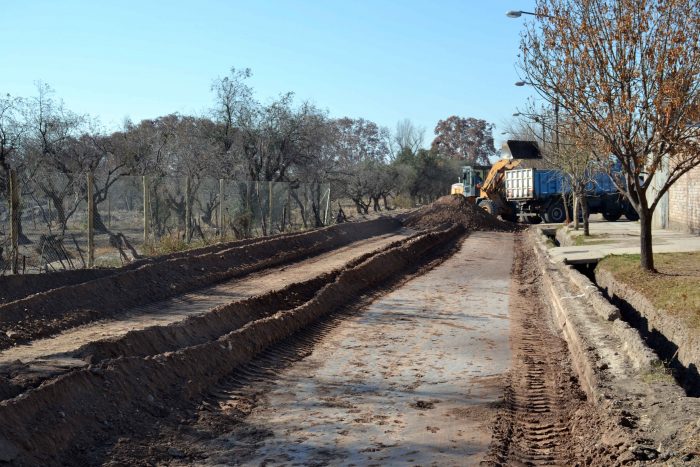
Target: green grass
593,239
675,288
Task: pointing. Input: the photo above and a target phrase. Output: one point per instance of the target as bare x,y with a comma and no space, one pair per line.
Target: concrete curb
634,347
589,299
582,362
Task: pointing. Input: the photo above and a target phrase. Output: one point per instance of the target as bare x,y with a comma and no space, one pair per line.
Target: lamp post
519,13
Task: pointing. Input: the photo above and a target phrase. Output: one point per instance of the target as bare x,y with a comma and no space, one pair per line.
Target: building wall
684,203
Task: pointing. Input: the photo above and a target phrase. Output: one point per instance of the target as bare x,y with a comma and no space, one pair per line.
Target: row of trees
239,138
624,79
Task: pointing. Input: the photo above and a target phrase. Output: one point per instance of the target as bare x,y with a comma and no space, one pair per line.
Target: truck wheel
631,214
612,216
555,213
512,214
488,206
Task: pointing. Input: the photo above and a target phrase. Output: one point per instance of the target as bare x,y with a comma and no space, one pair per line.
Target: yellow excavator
488,192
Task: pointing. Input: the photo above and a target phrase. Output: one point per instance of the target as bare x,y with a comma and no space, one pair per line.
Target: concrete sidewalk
607,238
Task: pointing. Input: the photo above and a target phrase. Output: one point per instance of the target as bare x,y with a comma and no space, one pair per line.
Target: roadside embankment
649,417
663,306
18,286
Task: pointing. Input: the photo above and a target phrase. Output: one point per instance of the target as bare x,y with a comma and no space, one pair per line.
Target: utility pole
556,124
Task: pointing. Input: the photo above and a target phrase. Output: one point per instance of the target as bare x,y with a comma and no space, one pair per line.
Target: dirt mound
456,209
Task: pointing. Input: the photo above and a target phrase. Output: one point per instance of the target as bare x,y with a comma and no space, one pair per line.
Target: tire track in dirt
411,378
543,400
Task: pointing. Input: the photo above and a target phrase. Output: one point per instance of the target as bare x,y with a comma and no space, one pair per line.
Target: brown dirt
49,312
455,209
547,419
69,418
412,378
192,317
16,287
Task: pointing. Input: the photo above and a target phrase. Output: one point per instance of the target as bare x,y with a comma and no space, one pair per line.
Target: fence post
109,211
90,221
270,206
14,222
146,210
289,206
328,206
188,210
221,207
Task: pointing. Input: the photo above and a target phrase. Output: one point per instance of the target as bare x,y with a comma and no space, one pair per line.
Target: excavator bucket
519,149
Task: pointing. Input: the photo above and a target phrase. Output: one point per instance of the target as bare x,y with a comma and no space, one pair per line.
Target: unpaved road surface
413,378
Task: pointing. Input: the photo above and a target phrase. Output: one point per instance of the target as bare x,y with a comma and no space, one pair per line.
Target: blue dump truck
537,195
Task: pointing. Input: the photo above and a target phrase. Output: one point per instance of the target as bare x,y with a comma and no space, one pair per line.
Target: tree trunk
358,207
566,208
646,251
584,211
98,222
576,207
57,203
316,204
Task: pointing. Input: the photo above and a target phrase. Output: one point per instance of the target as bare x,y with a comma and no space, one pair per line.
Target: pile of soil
456,209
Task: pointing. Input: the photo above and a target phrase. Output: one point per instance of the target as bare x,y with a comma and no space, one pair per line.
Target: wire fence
71,222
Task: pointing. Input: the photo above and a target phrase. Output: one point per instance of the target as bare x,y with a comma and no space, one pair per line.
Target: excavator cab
468,183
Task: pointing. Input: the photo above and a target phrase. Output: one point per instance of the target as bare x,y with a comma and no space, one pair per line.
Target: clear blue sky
378,59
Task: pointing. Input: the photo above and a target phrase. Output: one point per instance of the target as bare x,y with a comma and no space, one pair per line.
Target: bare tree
233,102
630,72
408,137
363,151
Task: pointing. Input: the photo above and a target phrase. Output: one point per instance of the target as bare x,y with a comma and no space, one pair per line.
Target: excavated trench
16,287
140,379
188,320
107,297
687,377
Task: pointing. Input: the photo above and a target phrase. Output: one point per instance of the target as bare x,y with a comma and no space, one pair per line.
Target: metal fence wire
133,216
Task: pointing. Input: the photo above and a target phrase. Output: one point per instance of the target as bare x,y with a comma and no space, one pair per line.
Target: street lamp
518,13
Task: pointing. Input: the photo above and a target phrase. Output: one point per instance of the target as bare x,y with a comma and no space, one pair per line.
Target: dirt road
414,377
